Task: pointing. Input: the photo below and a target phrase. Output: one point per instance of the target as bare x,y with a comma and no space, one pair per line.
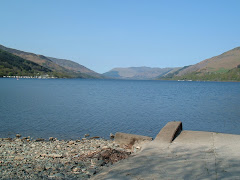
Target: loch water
70,108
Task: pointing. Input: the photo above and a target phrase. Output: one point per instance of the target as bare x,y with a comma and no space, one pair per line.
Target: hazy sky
103,34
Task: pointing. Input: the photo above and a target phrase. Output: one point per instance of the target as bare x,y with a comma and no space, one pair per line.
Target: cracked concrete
215,156
192,155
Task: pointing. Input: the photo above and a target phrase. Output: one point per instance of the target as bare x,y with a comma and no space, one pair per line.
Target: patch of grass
222,70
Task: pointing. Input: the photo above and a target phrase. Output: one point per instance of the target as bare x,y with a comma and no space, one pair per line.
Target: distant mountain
11,65
225,67
73,66
52,65
140,73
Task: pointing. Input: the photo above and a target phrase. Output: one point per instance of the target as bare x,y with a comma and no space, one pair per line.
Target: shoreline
25,158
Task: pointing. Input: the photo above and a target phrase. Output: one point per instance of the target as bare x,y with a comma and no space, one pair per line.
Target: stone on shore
40,140
71,142
18,135
112,136
86,135
131,141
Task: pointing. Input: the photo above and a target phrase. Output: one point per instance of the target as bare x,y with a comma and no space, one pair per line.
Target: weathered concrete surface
192,155
169,132
130,139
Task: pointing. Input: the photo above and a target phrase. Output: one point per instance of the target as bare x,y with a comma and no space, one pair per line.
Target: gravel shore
23,158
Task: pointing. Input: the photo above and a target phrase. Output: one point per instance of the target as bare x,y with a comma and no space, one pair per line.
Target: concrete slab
192,155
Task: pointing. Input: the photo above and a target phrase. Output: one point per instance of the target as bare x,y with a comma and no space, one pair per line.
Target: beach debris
112,155
95,137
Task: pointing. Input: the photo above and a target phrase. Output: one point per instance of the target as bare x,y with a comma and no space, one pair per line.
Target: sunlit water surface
70,108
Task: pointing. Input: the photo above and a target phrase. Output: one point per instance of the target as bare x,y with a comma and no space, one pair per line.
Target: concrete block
169,132
130,139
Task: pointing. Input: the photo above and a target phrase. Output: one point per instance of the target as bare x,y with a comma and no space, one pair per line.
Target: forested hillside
48,63
11,65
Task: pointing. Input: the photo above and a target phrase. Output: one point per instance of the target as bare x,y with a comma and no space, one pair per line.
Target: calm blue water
70,108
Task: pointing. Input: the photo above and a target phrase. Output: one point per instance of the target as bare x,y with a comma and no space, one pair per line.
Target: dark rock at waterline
86,135
112,136
95,137
52,139
18,135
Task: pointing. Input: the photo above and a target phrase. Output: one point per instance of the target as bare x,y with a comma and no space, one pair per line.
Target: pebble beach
24,158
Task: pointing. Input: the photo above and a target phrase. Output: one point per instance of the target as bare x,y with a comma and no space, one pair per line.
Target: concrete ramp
169,132
191,155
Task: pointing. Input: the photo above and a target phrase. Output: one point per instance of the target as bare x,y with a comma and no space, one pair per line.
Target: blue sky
103,34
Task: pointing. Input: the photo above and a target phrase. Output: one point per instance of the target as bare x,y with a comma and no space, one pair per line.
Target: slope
46,62
224,67
11,65
221,63
73,66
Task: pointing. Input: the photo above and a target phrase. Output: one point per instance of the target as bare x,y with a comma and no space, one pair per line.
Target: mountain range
60,67
139,73
224,67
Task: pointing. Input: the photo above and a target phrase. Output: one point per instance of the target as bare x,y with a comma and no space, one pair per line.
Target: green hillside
49,64
11,65
230,75
224,67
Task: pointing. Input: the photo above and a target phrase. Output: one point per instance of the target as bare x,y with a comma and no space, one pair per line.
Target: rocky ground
23,158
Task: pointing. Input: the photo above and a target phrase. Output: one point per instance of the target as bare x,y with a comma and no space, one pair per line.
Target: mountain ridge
138,73
48,63
223,67
12,65
74,66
